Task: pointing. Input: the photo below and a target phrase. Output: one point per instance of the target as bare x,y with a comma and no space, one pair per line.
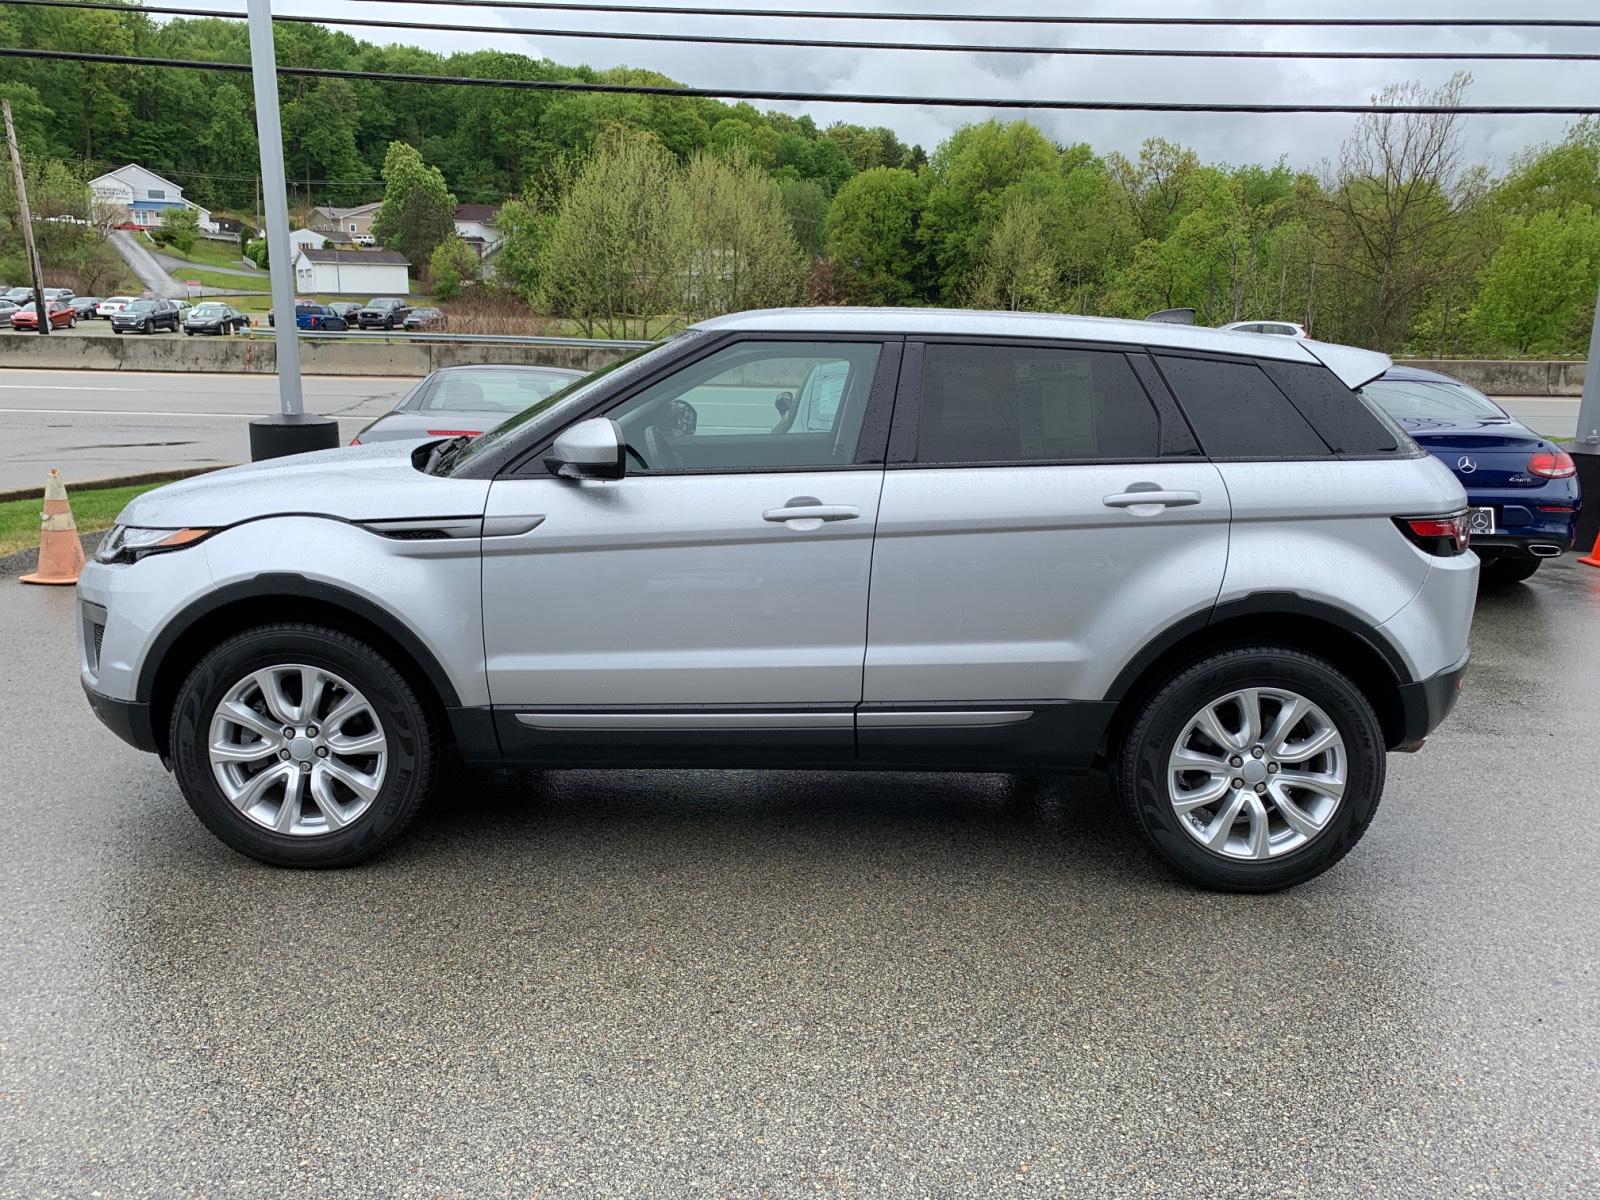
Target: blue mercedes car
1523,488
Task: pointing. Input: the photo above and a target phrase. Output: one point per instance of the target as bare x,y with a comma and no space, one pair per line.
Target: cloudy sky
1303,139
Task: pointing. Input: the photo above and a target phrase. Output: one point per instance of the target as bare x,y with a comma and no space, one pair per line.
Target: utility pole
292,430
39,305
1585,447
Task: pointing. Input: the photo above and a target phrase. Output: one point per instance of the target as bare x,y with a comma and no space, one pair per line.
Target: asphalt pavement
667,984
97,424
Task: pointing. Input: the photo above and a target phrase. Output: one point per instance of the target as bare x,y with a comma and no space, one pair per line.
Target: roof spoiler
1173,316
1355,368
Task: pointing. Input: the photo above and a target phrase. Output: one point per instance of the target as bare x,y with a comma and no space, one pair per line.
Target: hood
358,483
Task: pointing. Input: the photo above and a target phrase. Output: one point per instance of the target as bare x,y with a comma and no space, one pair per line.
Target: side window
1237,412
753,406
1022,404
1346,421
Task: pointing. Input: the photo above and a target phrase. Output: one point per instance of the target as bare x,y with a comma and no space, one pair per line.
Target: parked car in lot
112,305
213,316
7,307
27,317
84,306
1280,328
347,310
383,312
146,316
19,295
319,317
457,401
184,309
62,295
429,320
1522,488
1022,543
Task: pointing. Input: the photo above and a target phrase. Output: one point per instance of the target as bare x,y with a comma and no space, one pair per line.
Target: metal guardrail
511,339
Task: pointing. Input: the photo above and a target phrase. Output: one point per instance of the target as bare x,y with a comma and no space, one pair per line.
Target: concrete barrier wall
231,355
240,355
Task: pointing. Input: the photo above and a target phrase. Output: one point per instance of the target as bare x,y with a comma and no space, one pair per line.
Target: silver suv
829,539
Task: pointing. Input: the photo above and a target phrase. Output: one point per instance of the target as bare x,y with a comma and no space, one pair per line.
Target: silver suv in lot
902,539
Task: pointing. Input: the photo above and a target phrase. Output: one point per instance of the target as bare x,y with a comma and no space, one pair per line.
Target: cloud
1302,139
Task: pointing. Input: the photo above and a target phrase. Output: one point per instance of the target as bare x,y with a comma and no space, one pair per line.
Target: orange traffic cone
1592,559
60,551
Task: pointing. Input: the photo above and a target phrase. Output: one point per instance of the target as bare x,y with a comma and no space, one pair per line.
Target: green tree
180,228
805,201
616,249
871,235
452,264
740,251
418,210
1019,268
1537,290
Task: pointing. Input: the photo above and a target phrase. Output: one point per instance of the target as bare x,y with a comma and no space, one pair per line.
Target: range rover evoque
830,538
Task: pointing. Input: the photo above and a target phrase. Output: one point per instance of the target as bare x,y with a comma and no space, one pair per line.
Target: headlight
128,543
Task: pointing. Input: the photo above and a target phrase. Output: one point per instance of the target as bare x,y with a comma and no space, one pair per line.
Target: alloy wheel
1257,773
298,750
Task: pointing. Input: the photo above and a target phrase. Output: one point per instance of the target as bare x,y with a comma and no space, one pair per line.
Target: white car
111,306
1279,328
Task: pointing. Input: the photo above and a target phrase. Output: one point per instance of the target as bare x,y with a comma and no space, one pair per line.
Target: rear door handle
1154,499
807,512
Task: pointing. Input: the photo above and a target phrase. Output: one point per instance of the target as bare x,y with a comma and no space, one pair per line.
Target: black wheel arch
1287,619
286,597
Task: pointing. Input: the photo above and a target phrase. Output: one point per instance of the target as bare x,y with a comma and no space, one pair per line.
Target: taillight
1441,536
1552,464
454,432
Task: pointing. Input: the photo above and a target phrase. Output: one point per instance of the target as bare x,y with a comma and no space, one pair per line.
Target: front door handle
807,512
1153,499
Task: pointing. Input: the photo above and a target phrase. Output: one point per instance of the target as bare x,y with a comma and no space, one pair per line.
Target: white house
306,239
142,198
352,272
475,223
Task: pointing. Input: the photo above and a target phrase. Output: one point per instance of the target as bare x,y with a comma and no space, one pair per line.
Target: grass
204,252
92,508
219,279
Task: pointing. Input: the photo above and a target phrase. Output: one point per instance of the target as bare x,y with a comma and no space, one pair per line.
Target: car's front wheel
1254,769
301,746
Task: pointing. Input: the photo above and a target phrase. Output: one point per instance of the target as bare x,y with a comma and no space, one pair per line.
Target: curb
37,493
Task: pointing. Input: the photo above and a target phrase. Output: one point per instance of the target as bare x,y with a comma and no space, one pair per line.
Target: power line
781,97
849,44
1023,18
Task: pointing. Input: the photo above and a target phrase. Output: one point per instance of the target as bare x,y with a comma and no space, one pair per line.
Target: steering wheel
660,450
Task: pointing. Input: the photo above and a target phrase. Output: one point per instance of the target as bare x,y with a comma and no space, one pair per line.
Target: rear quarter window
1237,411
1351,424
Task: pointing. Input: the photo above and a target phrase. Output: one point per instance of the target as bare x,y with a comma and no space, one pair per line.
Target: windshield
141,306
571,394
1426,399
497,390
210,310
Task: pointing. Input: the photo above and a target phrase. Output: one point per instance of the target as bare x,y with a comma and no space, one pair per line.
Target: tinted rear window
1345,421
1238,412
1020,404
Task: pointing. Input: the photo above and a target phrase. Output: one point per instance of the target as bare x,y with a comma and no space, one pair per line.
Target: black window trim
870,442
1401,449
1175,439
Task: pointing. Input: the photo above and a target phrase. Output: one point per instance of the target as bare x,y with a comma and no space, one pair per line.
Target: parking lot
736,984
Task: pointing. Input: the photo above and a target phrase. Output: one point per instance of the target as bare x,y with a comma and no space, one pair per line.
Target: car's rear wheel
301,746
1254,769
1504,569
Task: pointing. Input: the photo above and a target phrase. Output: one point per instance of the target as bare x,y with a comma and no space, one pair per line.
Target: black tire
413,744
149,327
1161,717
1505,569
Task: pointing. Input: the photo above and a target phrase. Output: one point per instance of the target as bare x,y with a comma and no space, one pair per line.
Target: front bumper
1424,705
128,719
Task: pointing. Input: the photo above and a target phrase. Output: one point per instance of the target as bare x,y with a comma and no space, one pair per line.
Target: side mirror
591,449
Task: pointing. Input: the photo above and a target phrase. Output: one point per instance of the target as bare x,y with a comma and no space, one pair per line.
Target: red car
62,316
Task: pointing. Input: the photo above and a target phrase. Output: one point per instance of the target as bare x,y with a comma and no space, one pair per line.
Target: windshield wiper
442,455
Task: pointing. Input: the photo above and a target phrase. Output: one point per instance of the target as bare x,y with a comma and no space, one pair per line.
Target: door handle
1153,499
813,512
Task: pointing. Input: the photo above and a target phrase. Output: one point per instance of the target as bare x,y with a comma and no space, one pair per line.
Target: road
93,424
669,984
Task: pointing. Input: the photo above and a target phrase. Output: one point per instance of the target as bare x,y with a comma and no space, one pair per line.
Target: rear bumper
1424,705
128,719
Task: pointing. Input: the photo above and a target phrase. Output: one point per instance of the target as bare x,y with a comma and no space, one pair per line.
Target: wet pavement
738,984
